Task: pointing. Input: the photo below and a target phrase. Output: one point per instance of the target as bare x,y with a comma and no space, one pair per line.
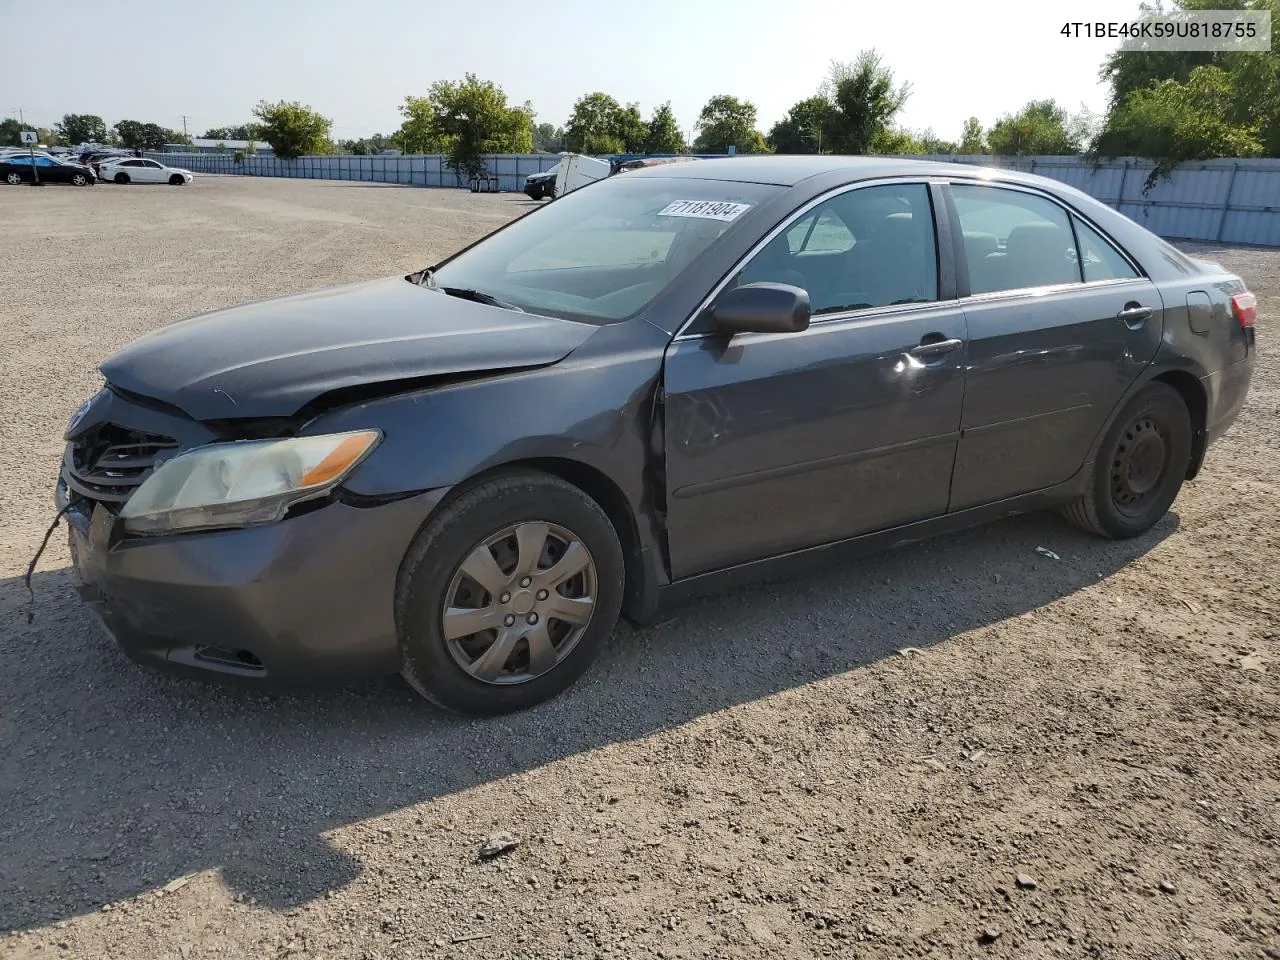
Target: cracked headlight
242,484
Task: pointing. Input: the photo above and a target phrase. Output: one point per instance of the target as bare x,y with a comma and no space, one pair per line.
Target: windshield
603,253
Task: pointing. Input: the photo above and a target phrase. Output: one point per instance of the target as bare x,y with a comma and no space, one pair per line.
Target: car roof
787,171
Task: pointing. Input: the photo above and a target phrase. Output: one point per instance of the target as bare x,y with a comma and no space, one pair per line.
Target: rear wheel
13,178
1138,468
121,178
507,595
176,180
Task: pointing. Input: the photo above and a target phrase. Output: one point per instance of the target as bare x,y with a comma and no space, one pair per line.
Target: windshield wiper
466,293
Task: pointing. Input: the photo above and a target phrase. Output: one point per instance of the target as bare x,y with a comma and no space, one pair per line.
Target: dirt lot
764,774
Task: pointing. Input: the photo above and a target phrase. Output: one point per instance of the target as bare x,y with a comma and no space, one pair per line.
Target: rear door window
1014,240
1098,258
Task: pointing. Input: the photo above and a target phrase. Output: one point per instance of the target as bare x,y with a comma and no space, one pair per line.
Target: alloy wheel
519,602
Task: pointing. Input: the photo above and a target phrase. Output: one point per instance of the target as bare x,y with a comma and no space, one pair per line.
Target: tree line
1170,107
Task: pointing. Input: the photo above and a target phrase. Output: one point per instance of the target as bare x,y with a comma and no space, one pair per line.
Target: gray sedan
688,377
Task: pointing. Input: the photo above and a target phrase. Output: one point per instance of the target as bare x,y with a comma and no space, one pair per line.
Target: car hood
273,357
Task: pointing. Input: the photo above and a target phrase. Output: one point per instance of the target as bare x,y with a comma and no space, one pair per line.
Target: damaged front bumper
309,599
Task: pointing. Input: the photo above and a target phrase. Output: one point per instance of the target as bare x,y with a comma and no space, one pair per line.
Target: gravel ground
1081,758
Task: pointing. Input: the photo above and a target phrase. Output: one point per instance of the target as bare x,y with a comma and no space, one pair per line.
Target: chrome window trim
789,222
1021,292
892,309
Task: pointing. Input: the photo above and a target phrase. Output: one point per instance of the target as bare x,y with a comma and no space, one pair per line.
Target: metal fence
416,170
1228,201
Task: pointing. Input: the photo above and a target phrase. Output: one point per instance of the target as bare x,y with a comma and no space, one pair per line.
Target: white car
142,170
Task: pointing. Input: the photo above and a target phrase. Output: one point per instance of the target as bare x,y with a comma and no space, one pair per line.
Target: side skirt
812,558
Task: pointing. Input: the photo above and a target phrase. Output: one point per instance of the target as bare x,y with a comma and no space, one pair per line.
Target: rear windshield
604,252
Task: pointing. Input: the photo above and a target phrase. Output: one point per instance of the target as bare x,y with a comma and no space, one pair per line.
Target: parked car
693,375
18,168
96,159
542,186
142,170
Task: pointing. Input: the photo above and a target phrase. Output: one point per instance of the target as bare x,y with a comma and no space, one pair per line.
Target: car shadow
118,779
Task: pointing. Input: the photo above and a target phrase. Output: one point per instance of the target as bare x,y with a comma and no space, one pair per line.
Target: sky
355,62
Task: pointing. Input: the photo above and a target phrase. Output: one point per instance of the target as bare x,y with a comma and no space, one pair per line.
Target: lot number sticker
704,209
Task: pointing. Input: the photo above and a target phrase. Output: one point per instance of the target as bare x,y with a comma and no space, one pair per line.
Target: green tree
11,132
145,136
78,128
595,125
726,122
1041,127
292,129
366,146
469,119
418,132
803,128
548,138
1173,122
890,140
929,142
1247,92
1127,70
631,129
245,131
662,133
972,139
865,101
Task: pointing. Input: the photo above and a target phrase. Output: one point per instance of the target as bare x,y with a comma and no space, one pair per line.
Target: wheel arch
1193,395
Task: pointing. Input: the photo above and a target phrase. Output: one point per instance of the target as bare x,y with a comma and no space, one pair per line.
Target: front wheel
177,180
507,596
1139,467
80,180
121,178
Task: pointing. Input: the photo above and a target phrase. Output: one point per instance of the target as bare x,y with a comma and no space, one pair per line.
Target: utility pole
185,135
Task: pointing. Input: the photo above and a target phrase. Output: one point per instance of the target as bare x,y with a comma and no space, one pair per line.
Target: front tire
508,594
1138,468
80,180
176,180
121,178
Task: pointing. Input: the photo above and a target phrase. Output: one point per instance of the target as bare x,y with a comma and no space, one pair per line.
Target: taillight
1245,307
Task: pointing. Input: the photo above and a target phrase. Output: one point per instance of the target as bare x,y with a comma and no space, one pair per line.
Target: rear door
776,442
1060,323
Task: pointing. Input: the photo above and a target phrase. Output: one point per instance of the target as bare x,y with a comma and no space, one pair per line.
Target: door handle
1135,314
930,349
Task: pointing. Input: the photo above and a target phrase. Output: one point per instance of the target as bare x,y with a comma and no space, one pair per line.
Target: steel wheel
519,603
1138,466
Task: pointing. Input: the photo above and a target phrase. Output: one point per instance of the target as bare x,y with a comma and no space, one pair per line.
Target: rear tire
494,669
121,178
1138,468
13,179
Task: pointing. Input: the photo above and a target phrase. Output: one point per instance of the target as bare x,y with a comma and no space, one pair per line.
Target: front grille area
109,462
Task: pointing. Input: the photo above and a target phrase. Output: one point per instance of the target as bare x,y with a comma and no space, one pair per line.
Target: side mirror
762,308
